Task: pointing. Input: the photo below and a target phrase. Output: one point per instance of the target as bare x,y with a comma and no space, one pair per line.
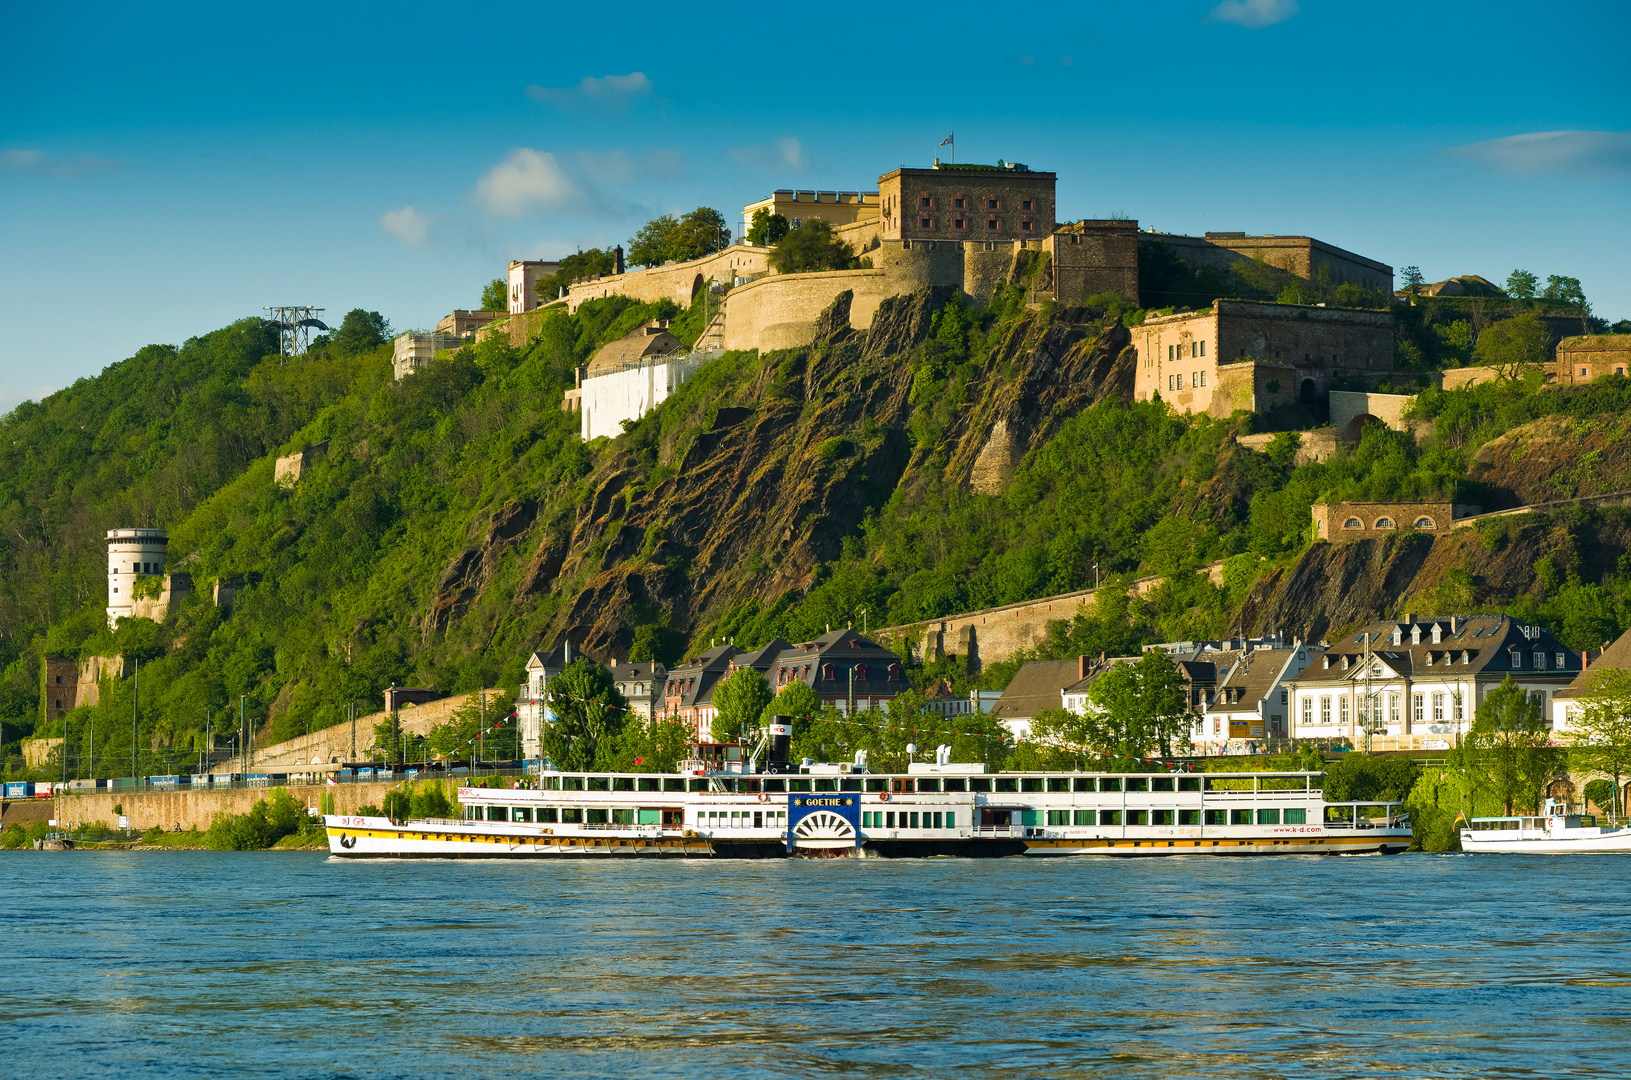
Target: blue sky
164,171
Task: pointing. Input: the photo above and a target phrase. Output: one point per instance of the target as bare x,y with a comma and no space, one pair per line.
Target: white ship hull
1618,841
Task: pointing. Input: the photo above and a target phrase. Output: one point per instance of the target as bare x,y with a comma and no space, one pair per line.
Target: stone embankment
188,809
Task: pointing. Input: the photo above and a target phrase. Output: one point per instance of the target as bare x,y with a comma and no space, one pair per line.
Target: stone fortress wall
1302,256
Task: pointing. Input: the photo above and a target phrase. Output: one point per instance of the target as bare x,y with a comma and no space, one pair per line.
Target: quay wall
190,809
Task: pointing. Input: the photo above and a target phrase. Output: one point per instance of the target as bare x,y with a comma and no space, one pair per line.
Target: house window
957,203
1325,710
1385,523
991,224
1353,523
1420,707
1342,710
924,202
1194,379
1203,378
1393,708
959,223
1194,349
1425,523
1025,225
1203,347
1308,711
1540,661
1456,699
1171,353
1438,707
1025,205
827,672
1562,661
1517,660
991,204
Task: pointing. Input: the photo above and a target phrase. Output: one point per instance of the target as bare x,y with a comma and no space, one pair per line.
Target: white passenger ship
732,810
1561,829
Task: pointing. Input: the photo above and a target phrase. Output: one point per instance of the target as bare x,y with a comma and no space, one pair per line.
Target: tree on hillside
740,698
1516,346
1512,747
653,243
810,247
766,228
1412,279
361,331
496,296
1601,728
1521,285
590,714
701,232
1567,290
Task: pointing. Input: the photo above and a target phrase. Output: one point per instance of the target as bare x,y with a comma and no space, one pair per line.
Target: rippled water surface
284,964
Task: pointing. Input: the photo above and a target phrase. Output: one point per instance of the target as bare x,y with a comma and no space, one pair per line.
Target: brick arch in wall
1356,427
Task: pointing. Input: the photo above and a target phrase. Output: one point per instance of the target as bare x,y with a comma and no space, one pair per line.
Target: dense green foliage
579,264
666,239
809,248
343,572
766,228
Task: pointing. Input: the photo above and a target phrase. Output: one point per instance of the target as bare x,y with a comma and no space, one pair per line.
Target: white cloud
784,154
526,180
1253,14
37,161
1568,153
607,92
407,225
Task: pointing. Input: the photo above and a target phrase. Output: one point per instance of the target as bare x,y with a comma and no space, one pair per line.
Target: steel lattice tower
294,327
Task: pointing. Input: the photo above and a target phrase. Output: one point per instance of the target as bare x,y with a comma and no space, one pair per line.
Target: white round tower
131,553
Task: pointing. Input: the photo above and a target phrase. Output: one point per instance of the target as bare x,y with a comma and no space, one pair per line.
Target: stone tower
132,553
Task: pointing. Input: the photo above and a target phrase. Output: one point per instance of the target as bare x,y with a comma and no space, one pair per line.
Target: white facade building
1420,682
1251,700
132,553
523,281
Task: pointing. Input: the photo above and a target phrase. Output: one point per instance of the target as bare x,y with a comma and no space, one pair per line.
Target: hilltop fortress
976,229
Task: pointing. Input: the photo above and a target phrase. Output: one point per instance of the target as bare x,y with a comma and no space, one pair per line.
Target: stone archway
1309,393
697,284
1561,789
1356,427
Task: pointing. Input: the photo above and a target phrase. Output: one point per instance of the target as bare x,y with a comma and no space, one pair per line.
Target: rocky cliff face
1555,457
789,462
1334,588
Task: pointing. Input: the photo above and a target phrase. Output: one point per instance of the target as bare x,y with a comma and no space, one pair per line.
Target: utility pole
351,709
135,712
243,748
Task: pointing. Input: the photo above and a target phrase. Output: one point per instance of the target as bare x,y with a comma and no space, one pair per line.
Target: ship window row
1260,816
897,785
742,819
903,819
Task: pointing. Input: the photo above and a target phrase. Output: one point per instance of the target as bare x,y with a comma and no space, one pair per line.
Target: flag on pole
947,140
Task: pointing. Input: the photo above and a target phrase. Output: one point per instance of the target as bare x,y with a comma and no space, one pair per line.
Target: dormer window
1562,661
1398,635
1415,634
1437,633
1540,661
1517,659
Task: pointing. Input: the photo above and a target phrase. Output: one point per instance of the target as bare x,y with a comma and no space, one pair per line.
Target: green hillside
457,522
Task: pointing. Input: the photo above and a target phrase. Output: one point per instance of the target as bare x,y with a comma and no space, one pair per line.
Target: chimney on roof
1455,621
1081,667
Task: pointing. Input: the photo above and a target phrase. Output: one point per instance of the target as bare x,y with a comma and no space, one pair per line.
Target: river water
289,964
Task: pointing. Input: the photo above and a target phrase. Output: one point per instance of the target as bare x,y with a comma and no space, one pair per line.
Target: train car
44,790
20,789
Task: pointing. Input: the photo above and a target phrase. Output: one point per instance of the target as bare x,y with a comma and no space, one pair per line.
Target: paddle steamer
720,806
